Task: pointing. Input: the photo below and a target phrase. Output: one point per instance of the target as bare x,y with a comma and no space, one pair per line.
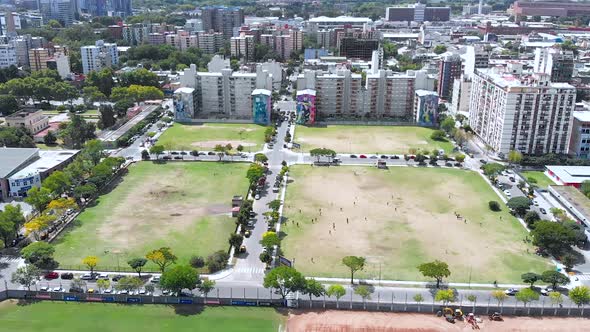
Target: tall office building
99,56
357,48
222,19
417,13
558,63
59,10
449,69
527,113
120,8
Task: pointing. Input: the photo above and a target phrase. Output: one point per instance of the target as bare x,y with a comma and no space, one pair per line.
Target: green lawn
49,147
184,206
398,219
206,136
368,139
89,317
542,180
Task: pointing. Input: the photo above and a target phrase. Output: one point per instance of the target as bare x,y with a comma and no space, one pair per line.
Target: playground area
205,136
399,218
368,139
184,206
339,321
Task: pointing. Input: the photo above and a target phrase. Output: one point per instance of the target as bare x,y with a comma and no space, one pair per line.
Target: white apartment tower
526,113
99,56
389,95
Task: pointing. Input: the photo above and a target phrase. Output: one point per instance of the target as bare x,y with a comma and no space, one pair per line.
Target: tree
78,283
157,150
448,124
197,262
499,295
354,263
313,288
103,284
337,291
527,295
58,182
556,298
260,158
322,152
91,262
8,105
460,137
50,138
139,76
240,148
162,257
206,286
40,254
363,291
284,280
254,173
265,257
235,240
437,270
531,217
102,80
220,149
92,94
217,261
445,296
569,261
460,158
554,278
274,205
514,157
77,132
440,49
137,264
520,205
552,237
494,206
270,239
492,169
11,220
530,278
129,283
38,197
580,295
38,224
107,116
26,275
85,191
178,278
438,135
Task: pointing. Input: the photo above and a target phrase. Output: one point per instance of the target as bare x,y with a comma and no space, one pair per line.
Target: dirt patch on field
346,321
212,144
153,206
365,142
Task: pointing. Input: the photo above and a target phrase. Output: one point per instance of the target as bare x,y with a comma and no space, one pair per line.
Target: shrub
217,261
197,262
530,218
494,205
438,135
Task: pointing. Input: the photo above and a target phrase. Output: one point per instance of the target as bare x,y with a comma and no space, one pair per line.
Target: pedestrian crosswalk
249,270
583,276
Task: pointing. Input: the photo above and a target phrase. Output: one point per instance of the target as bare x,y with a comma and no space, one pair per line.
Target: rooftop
583,116
576,198
306,92
261,92
47,160
12,158
426,93
339,19
508,80
570,174
184,90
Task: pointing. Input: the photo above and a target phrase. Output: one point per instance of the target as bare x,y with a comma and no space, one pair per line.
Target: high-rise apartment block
528,113
389,95
121,8
7,56
99,56
222,19
242,47
557,63
449,70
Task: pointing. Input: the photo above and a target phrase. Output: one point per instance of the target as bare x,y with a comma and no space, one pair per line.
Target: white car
507,193
545,291
257,196
107,291
44,289
103,276
155,280
57,289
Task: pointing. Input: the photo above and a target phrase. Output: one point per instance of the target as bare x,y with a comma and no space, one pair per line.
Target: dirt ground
395,218
212,144
347,321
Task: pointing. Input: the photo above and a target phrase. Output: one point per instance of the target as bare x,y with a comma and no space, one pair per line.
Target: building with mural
261,105
425,107
306,111
184,104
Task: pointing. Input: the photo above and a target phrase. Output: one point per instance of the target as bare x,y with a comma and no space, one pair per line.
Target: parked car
118,277
155,280
257,196
103,276
87,276
511,291
51,275
44,289
76,290
362,156
384,156
507,193
57,289
545,291
90,291
449,164
352,156
483,161
67,276
543,211
210,153
107,291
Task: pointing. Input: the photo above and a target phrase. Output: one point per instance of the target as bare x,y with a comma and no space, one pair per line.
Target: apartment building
425,108
225,94
59,10
389,95
557,63
7,56
242,47
417,13
99,56
210,42
579,145
449,70
512,110
222,19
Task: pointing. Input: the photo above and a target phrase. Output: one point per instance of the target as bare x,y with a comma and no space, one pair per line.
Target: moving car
511,291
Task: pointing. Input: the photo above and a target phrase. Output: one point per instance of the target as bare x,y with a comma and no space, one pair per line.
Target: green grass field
89,317
49,147
400,218
368,139
184,206
206,136
542,180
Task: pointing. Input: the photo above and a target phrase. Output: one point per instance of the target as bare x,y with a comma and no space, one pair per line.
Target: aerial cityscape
294,165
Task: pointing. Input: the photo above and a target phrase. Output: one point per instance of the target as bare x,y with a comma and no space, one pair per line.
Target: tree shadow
26,302
187,309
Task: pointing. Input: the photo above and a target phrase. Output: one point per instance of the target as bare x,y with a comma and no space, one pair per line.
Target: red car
52,275
363,156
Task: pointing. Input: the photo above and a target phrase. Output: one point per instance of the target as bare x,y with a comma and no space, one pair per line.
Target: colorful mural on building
427,109
306,111
184,107
261,105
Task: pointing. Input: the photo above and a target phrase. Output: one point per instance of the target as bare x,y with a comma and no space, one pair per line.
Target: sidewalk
393,283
